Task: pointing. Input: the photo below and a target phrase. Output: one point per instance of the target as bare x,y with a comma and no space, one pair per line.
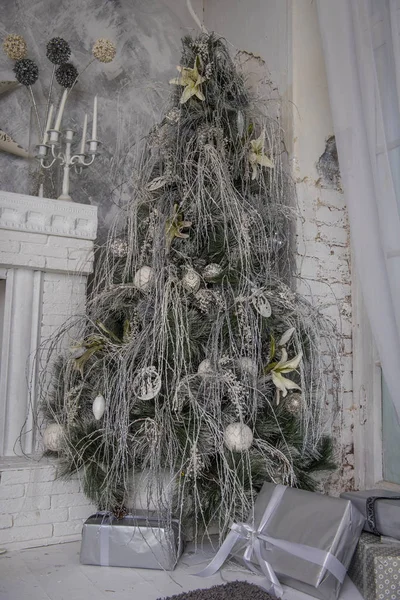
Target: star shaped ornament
191,80
7,144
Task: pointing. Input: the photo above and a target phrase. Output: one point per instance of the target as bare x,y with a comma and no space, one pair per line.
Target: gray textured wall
131,89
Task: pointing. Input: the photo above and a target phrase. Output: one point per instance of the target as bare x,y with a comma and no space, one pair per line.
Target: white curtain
361,45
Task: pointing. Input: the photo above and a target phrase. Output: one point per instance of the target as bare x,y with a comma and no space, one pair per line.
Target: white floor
54,573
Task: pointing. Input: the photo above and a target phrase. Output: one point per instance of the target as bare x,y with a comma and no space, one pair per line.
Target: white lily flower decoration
191,80
283,384
257,156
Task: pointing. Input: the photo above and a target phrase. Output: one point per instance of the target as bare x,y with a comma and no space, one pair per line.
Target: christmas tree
197,368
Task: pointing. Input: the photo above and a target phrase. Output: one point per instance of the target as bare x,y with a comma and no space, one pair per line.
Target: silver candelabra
49,151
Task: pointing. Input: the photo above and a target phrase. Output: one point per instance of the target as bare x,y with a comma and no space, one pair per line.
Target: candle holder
51,152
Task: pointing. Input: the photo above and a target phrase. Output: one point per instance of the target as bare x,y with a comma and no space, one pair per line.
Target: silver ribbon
256,540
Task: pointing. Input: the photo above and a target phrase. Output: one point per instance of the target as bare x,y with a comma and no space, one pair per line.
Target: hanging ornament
147,383
238,437
294,403
248,366
99,406
119,248
212,272
261,304
144,278
191,280
240,122
205,368
53,437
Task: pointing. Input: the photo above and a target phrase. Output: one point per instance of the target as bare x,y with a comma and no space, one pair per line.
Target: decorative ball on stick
26,71
99,406
66,75
238,437
144,278
15,46
53,437
58,51
104,50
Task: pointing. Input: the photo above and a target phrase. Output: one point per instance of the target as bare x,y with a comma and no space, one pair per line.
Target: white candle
48,124
94,126
83,141
57,124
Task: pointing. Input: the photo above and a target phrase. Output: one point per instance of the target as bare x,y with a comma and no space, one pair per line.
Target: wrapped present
381,509
375,568
139,541
302,539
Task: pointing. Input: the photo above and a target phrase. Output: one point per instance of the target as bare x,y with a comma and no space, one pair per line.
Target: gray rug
237,590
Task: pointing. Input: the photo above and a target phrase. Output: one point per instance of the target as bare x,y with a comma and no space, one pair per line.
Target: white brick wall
36,508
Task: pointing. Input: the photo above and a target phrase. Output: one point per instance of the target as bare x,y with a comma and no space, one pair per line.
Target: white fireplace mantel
46,254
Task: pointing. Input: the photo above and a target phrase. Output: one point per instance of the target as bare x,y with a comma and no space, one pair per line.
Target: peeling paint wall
323,244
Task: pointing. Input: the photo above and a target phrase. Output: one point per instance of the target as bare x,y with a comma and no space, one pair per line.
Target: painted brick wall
36,508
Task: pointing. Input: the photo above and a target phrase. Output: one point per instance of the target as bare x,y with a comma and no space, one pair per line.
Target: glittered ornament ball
53,437
191,280
205,367
15,46
66,75
238,437
26,71
104,50
58,51
119,248
293,403
212,272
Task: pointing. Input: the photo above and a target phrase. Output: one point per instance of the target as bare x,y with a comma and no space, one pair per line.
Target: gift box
381,509
139,541
302,539
375,568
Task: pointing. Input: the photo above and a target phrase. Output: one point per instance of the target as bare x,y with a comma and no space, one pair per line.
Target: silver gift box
138,541
330,524
386,512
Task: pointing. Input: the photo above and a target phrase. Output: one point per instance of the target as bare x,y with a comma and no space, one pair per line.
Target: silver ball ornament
53,437
212,272
205,367
119,248
238,437
293,403
248,365
191,280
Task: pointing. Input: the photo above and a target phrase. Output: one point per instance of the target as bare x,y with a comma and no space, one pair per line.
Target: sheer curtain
361,45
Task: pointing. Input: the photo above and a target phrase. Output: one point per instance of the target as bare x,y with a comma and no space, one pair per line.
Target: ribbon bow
256,540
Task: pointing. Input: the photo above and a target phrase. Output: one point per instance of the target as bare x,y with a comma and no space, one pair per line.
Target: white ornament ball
191,280
212,272
248,366
205,367
294,403
53,437
238,437
144,278
147,383
98,407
